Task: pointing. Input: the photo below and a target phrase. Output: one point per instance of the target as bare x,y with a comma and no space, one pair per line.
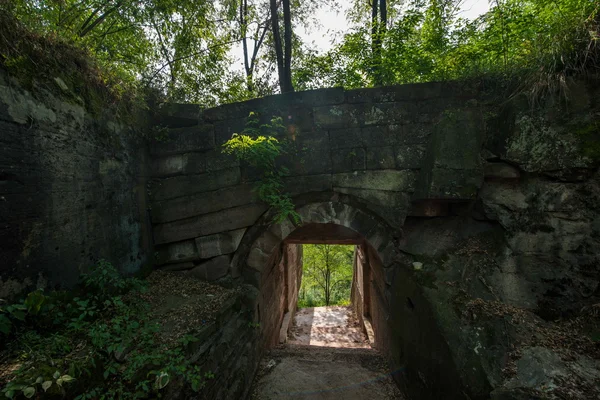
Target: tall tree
283,49
328,268
378,30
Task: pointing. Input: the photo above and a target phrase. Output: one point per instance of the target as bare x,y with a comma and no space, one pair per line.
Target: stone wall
229,348
371,144
72,189
279,292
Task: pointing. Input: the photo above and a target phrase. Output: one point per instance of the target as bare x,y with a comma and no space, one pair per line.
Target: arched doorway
388,301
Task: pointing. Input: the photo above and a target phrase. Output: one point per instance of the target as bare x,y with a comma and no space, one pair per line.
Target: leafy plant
258,146
102,343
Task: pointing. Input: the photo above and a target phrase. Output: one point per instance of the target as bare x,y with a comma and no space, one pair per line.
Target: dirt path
342,366
327,326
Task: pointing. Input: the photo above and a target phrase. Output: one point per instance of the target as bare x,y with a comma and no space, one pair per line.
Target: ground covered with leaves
112,337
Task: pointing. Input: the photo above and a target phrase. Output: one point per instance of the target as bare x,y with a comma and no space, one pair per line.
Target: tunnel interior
390,305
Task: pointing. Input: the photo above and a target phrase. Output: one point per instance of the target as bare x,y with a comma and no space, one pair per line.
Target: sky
334,21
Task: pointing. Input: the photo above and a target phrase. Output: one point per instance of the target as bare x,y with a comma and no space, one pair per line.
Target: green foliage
326,275
540,42
99,344
259,147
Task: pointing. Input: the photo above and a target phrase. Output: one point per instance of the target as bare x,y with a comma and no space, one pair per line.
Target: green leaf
46,385
29,392
56,375
5,325
10,394
67,378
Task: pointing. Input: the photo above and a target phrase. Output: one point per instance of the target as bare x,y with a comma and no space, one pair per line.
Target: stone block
392,180
177,252
225,129
295,185
337,116
184,140
176,115
202,203
412,133
381,158
381,198
208,224
168,165
407,92
314,98
350,159
186,185
211,270
500,170
386,113
381,136
409,156
347,138
219,244
214,160
455,184
257,259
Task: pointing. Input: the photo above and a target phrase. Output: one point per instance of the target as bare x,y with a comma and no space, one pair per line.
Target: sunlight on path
327,326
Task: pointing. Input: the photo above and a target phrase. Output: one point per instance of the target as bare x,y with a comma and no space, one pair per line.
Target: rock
212,269
207,224
399,181
184,140
219,244
500,170
177,252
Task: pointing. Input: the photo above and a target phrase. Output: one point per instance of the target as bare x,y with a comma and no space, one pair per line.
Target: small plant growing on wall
258,146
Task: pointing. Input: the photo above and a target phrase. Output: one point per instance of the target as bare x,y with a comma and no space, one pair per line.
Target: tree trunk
277,42
287,24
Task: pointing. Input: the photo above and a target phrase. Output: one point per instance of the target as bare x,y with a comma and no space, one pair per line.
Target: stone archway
403,321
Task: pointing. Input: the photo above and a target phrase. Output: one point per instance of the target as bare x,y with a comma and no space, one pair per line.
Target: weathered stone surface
177,252
72,189
176,115
306,184
399,181
225,129
348,159
338,116
347,138
392,206
388,113
500,170
219,244
413,133
201,203
381,158
183,140
544,371
211,270
186,185
409,156
207,224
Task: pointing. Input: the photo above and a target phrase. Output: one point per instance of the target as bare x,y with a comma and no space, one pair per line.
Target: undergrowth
97,342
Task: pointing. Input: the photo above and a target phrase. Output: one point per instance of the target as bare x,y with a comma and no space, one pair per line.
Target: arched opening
388,301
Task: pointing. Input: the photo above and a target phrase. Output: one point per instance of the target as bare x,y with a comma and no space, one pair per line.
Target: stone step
363,356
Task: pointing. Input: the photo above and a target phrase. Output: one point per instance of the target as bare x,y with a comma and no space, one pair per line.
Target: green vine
259,147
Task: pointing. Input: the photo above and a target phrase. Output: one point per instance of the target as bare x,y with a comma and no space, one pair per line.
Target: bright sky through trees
333,24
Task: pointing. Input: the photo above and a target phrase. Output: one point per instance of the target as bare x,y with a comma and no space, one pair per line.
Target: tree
328,269
283,50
